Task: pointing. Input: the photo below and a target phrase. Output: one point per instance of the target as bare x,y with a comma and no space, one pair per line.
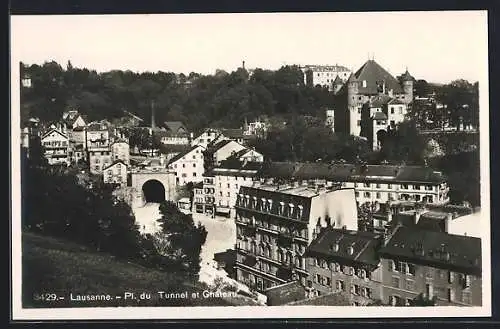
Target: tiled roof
375,74
453,252
174,148
79,128
250,165
338,81
217,146
115,162
351,172
232,133
53,130
380,100
285,293
97,126
395,101
180,155
379,116
406,76
364,246
174,126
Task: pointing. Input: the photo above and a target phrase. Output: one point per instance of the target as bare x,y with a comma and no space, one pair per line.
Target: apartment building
275,224
324,75
198,198
97,136
116,173
372,183
436,264
56,147
99,158
188,166
120,150
216,153
228,179
345,261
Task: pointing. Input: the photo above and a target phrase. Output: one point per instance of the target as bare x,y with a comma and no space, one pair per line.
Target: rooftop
285,293
174,126
303,191
337,243
375,76
180,155
454,252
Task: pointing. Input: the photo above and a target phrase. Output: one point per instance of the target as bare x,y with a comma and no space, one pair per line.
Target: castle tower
352,106
407,81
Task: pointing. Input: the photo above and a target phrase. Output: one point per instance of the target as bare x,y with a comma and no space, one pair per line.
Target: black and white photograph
250,165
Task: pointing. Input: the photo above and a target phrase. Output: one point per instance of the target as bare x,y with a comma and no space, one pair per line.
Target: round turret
352,90
407,81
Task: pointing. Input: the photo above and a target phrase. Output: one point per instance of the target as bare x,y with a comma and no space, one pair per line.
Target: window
377,185
194,165
378,195
389,186
356,194
183,165
194,157
366,184
340,285
359,123
194,174
228,185
466,297
450,277
184,175
395,282
317,278
466,279
410,285
400,110
392,110
367,194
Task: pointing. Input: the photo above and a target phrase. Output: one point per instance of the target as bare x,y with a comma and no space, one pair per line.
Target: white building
469,225
99,158
247,155
223,150
188,166
97,135
205,138
73,119
324,75
120,150
115,173
56,147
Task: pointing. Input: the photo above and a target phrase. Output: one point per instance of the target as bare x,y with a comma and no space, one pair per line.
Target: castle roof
407,76
375,75
380,116
338,81
380,100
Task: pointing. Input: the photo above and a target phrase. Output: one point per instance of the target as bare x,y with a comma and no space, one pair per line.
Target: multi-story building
116,173
209,193
56,147
246,155
275,224
77,153
435,264
345,261
371,83
198,198
324,75
120,150
255,128
188,166
73,119
228,178
206,137
216,153
174,133
99,158
97,136
372,183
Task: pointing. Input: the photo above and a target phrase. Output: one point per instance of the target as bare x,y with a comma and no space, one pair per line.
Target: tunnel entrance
154,191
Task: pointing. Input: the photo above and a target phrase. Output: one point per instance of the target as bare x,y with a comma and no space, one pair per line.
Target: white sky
436,46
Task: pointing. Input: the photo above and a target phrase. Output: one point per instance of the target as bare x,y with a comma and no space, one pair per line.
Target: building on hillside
188,166
275,224
116,173
171,150
77,153
198,198
175,133
175,127
98,136
366,85
436,264
236,135
228,178
324,75
99,158
246,155
372,183
347,262
206,137
56,147
216,153
73,119
209,193
255,128
79,136
120,150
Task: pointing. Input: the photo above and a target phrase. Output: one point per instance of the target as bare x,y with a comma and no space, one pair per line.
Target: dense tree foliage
222,99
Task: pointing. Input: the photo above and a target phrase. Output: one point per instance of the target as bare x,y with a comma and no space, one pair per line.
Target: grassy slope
56,266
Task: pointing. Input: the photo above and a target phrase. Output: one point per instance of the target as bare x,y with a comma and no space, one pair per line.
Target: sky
435,46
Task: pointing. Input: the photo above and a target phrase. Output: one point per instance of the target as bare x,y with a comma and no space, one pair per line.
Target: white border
129,313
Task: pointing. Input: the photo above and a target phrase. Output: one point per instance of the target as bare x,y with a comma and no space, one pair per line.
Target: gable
54,134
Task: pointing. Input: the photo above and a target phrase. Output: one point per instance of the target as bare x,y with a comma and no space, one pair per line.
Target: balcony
238,205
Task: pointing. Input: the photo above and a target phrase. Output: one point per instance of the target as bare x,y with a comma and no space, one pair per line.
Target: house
246,155
73,119
120,150
175,127
324,75
77,153
275,224
215,153
198,199
345,261
435,264
115,173
98,135
99,158
206,137
188,166
171,150
56,147
174,133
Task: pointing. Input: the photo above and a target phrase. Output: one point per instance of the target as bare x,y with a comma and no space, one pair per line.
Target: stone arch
154,191
381,137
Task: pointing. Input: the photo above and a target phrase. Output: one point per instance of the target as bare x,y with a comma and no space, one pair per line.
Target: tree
185,239
420,300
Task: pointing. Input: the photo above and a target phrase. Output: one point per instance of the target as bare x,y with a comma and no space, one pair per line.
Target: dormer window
263,204
291,206
350,250
364,83
282,208
300,211
269,204
335,247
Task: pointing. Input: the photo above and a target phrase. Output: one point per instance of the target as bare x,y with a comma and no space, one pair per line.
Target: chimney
418,213
243,65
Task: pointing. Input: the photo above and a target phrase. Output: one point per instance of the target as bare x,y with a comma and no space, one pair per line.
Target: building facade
276,224
120,150
345,261
324,75
56,147
99,158
188,166
116,173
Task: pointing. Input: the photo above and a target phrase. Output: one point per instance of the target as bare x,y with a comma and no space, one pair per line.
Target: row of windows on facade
340,286
184,165
272,226
264,240
185,174
55,143
401,186
282,257
266,205
416,197
450,296
338,268
332,74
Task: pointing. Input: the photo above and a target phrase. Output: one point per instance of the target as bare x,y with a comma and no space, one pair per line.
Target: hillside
53,266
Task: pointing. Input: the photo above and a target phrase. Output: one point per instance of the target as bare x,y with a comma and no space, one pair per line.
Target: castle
371,101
